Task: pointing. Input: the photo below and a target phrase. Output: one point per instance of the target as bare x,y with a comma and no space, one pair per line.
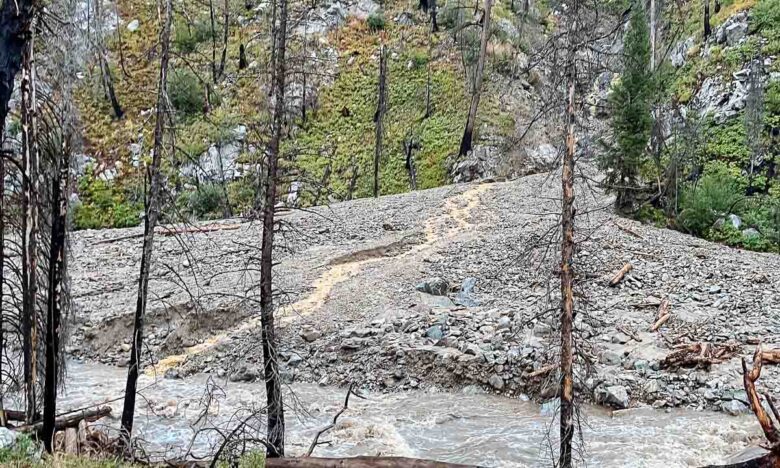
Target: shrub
715,195
186,92
242,194
205,202
105,205
188,36
765,18
448,17
376,22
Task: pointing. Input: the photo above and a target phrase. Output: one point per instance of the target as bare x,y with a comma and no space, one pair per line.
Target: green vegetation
186,92
630,101
105,204
376,22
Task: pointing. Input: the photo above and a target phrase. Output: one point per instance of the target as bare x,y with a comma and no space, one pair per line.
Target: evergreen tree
631,122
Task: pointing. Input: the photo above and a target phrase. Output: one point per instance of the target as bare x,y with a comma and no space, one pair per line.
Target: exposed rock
733,30
310,335
435,286
133,26
751,233
363,9
435,333
243,375
615,395
734,407
405,19
479,163
466,295
735,220
7,437
496,382
679,53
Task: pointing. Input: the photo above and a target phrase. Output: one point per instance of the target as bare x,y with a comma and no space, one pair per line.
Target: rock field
453,288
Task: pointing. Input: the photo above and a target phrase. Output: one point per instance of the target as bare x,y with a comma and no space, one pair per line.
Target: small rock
751,233
496,382
7,437
435,333
133,26
310,335
465,296
615,395
734,407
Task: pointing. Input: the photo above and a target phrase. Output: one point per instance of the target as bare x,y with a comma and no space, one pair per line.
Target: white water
483,429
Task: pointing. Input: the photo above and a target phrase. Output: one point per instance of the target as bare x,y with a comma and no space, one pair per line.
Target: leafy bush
242,194
765,18
448,17
105,205
376,22
715,195
205,202
188,36
186,92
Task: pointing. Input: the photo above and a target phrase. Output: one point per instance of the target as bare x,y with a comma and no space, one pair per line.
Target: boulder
734,407
435,333
310,335
480,163
435,286
679,53
735,220
614,395
363,9
751,233
7,437
496,382
466,295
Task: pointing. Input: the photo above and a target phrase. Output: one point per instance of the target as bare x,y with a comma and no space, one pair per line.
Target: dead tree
102,58
152,205
707,27
29,225
15,18
273,385
466,143
567,249
381,108
218,67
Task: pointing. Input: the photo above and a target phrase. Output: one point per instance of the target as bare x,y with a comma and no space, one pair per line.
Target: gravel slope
351,313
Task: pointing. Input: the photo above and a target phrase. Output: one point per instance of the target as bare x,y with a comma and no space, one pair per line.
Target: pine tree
631,123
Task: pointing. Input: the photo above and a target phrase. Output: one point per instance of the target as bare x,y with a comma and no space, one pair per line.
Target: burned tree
379,115
466,143
152,213
106,77
273,384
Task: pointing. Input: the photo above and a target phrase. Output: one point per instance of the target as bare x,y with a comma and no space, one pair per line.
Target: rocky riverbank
451,288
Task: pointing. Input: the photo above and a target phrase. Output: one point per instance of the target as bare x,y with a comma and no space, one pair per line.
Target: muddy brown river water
456,427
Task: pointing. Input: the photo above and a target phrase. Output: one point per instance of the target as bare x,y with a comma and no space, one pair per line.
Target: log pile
698,355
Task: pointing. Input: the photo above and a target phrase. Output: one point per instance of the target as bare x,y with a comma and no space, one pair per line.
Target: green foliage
715,195
631,120
105,204
186,92
765,18
241,193
448,16
205,202
188,36
23,451
376,22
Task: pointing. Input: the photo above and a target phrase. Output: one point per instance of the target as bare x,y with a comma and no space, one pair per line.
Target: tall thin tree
273,385
379,116
152,205
466,142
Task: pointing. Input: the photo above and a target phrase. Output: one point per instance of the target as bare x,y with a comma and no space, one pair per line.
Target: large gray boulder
679,53
614,395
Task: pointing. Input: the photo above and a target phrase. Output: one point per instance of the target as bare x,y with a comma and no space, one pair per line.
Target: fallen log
70,420
620,275
541,371
359,462
173,231
771,356
698,355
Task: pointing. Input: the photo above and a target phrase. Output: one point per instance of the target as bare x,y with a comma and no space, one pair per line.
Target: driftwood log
69,420
359,462
698,355
771,433
620,275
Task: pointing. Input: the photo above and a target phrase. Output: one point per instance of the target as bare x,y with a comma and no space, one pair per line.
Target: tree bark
707,28
59,217
105,70
273,386
466,143
15,18
29,226
381,107
150,221
567,257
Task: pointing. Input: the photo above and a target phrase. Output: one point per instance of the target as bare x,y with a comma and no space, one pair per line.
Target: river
457,427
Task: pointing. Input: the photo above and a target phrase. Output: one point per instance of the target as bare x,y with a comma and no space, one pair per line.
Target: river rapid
457,427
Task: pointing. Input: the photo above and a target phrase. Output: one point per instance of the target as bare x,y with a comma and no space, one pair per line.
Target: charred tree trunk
242,63
105,70
379,116
567,257
152,204
29,227
3,420
15,18
59,217
409,146
466,143
273,385
707,27
434,23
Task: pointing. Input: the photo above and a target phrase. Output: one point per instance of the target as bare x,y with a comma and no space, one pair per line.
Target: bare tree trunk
466,143
652,35
15,20
273,385
150,221
29,226
707,28
59,217
434,23
567,257
381,107
105,71
3,420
